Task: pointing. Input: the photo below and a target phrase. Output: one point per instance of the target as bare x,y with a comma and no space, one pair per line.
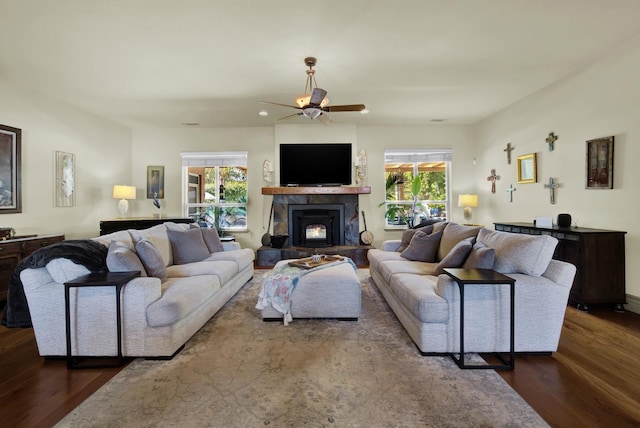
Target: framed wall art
527,168
65,179
155,182
599,163
10,164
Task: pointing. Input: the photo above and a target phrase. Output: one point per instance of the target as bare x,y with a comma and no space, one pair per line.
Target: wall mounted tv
315,164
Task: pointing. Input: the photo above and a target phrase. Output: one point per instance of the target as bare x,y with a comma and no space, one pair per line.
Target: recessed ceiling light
263,113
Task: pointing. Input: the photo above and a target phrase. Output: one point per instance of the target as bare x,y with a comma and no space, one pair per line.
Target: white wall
102,152
600,101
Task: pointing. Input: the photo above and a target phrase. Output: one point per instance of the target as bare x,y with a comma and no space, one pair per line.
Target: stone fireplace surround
345,196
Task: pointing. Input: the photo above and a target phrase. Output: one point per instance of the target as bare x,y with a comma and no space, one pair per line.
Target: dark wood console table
598,255
117,224
15,249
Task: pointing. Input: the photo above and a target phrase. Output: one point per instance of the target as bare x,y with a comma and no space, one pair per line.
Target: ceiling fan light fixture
305,100
312,112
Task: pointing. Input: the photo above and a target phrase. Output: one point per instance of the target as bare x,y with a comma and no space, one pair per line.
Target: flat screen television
315,164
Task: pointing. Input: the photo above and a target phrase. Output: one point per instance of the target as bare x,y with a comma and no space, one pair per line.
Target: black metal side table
483,277
97,279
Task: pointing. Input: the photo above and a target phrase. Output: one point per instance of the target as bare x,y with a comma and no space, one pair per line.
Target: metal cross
508,150
551,139
552,187
492,178
511,189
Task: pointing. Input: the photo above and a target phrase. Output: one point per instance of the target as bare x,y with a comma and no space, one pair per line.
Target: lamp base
123,206
467,214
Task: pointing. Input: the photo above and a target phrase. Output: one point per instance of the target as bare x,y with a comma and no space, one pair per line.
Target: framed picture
155,182
65,179
10,186
599,163
527,168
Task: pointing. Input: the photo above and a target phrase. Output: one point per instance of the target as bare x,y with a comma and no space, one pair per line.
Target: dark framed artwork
155,182
527,168
599,163
10,185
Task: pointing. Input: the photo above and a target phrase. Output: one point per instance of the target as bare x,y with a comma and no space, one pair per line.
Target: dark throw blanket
88,253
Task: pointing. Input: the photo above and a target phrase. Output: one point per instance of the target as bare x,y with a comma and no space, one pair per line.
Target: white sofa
158,314
428,304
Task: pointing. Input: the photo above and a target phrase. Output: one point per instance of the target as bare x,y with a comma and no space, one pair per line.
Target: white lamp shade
124,192
468,200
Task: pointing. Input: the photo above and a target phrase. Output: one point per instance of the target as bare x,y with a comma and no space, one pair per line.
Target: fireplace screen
316,225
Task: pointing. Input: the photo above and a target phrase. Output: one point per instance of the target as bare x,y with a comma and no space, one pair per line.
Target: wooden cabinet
12,251
109,226
599,256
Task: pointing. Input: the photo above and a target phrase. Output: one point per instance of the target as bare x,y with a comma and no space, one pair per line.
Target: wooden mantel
317,190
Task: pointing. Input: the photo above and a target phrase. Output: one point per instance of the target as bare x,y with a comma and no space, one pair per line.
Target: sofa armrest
391,245
230,246
560,272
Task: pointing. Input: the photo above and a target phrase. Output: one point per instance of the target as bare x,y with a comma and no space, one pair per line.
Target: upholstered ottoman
330,292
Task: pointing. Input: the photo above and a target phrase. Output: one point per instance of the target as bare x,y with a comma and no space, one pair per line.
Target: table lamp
123,193
467,201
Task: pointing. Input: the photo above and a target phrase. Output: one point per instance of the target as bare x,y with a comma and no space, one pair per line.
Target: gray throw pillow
408,234
211,239
121,258
423,247
456,257
151,259
187,246
480,257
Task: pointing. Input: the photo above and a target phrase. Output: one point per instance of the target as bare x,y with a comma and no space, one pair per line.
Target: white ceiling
163,63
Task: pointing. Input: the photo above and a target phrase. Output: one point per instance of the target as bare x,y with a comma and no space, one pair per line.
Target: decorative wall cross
508,150
492,178
551,139
552,187
511,189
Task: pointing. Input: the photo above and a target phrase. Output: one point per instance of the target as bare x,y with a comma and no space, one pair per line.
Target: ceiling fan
314,103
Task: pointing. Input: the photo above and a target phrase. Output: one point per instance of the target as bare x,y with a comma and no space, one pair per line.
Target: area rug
239,371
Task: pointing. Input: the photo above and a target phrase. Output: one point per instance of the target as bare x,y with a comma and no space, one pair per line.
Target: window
216,189
417,186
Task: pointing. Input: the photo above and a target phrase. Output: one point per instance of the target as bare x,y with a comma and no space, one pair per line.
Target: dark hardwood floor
592,381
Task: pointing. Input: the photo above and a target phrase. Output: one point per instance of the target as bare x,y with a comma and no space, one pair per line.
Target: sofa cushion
211,239
151,259
122,236
418,295
456,257
121,258
423,247
223,269
243,257
516,253
452,234
408,234
62,270
480,257
389,268
158,236
187,246
180,297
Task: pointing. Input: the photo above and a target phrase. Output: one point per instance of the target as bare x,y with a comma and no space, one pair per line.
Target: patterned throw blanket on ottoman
277,287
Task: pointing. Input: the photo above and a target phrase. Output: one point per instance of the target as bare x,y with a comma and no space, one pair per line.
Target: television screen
315,164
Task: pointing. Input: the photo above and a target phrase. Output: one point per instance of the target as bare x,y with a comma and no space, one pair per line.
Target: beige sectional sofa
427,302
187,276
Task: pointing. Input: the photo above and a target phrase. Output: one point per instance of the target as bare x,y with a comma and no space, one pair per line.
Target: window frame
416,157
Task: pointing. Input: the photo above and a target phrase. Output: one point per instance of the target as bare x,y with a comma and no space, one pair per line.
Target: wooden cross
552,187
508,150
511,189
551,139
492,178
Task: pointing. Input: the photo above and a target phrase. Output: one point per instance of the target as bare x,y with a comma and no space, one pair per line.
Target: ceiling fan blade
324,118
291,115
317,96
279,104
350,107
